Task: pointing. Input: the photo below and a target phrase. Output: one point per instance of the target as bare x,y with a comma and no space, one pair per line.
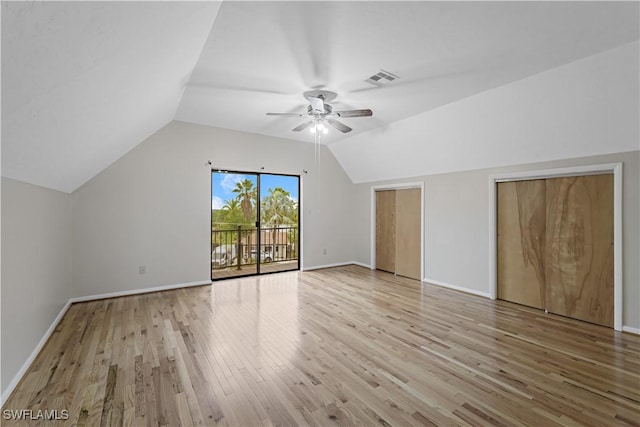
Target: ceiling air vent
382,78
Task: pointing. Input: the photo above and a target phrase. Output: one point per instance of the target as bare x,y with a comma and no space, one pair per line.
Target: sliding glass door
234,219
279,222
254,223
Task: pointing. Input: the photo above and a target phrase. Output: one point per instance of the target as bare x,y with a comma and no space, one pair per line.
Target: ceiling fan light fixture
319,127
321,114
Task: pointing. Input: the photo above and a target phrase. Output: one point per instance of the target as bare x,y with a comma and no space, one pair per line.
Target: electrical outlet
142,269
324,251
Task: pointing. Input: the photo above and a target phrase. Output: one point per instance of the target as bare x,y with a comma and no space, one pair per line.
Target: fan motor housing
327,110
325,95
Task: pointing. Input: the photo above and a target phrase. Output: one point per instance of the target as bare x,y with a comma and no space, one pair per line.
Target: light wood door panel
579,248
386,230
408,228
521,240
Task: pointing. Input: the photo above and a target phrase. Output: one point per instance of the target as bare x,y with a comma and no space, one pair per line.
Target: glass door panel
255,223
234,219
279,223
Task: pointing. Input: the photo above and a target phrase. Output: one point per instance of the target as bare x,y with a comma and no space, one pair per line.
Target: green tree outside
276,209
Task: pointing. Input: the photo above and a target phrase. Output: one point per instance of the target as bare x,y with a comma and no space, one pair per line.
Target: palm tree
228,216
246,195
278,208
231,205
232,211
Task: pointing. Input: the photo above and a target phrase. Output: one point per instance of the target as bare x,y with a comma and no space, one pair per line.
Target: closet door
521,240
579,248
408,227
386,230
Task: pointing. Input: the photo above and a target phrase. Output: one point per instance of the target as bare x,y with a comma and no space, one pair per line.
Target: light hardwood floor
341,346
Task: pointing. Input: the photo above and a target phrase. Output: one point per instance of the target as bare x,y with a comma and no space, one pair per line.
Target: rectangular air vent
382,78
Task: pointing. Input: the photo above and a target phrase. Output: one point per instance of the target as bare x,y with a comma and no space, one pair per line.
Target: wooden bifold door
555,245
398,228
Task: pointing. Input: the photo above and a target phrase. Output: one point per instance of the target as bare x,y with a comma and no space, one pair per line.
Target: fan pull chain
317,167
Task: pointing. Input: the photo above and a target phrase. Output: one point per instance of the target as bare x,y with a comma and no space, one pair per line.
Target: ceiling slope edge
587,107
137,72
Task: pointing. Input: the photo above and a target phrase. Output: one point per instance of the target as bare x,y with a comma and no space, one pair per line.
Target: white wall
152,207
36,268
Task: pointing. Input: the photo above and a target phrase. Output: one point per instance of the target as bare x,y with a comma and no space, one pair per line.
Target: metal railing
236,247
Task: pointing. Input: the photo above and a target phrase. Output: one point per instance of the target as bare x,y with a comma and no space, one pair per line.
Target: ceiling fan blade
286,114
340,126
317,104
248,89
302,126
354,113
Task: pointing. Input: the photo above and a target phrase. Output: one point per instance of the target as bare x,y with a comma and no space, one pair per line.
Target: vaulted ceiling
84,82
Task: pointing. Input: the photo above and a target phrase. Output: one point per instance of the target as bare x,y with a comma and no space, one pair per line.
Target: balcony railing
276,244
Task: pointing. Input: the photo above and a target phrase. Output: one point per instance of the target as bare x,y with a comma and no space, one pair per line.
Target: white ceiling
84,82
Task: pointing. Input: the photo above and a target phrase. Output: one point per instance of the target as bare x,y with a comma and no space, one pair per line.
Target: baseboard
139,291
318,267
631,330
457,288
361,264
27,364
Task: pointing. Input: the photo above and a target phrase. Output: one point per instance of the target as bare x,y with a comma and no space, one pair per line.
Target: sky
222,185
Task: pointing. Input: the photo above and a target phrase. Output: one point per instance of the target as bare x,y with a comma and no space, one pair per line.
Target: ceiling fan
319,111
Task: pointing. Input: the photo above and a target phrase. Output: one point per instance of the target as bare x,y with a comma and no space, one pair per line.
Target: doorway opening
255,223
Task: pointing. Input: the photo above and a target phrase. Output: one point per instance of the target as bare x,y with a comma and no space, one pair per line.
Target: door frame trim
398,186
616,169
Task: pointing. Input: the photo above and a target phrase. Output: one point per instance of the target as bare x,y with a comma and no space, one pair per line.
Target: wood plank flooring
341,346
